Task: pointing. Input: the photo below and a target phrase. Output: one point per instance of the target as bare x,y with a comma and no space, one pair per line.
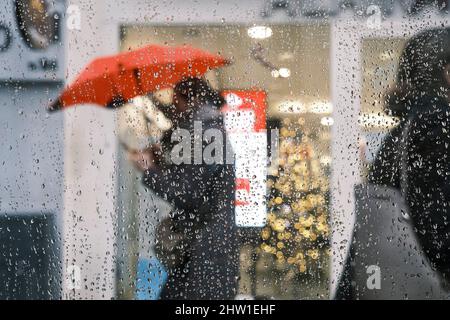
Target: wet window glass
230,150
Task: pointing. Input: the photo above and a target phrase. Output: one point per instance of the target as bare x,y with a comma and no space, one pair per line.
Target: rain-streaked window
230,150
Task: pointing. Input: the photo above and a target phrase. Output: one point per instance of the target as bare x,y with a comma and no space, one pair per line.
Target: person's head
190,93
424,69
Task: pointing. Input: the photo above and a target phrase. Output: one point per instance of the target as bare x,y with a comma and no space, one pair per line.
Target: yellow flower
266,248
313,253
291,160
306,222
278,200
321,227
306,233
271,217
300,168
279,225
279,255
300,206
291,260
265,233
301,186
284,132
316,200
285,188
299,256
302,266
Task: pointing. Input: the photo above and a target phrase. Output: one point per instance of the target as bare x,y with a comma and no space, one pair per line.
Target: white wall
90,158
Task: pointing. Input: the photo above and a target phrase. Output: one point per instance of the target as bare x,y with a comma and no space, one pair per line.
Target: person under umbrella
111,81
203,195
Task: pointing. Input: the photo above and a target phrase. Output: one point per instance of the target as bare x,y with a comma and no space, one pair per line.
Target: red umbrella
111,81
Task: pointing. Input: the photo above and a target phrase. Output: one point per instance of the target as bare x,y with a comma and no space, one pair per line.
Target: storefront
298,105
327,97
329,110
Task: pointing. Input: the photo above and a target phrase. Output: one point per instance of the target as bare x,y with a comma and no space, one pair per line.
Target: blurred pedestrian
414,159
201,236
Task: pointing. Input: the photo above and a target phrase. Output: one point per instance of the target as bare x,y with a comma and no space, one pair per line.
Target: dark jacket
427,151
203,195
428,174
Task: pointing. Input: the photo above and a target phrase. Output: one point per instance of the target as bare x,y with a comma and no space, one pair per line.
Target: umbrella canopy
110,81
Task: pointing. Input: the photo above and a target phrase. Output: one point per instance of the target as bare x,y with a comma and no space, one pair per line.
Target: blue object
151,277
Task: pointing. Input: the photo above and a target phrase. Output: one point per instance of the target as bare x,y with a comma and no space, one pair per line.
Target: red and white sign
245,122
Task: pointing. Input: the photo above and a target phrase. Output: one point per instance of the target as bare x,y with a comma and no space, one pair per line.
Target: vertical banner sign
245,122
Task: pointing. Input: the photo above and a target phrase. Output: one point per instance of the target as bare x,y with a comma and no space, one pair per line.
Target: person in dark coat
422,98
202,193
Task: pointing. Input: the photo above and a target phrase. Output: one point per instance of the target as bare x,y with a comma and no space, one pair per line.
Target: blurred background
73,221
